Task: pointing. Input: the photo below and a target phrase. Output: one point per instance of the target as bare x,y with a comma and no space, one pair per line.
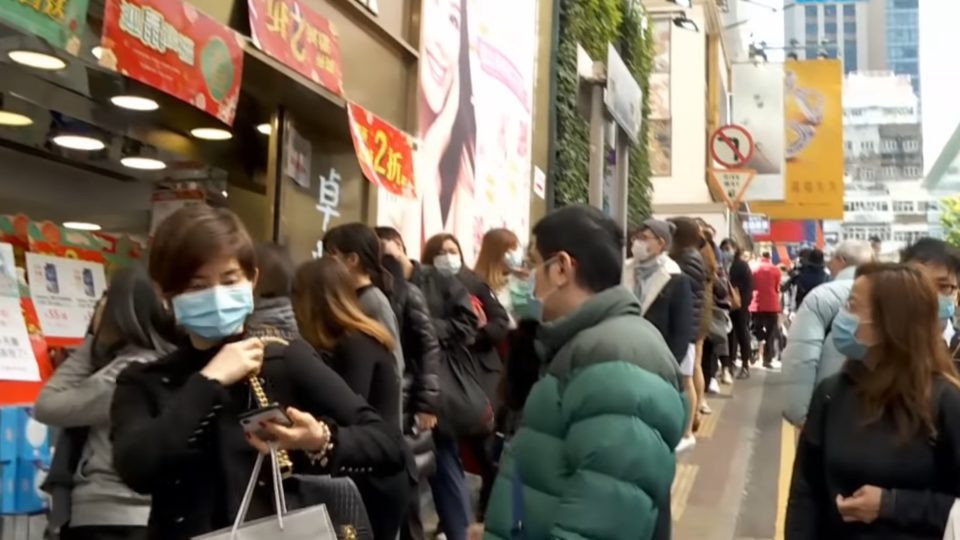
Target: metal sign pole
622,179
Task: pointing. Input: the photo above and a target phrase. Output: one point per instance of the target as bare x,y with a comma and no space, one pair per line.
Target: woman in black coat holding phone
176,430
360,350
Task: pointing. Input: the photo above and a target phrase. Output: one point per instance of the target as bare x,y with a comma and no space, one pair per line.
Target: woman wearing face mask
662,288
358,248
880,450
175,422
494,323
500,266
360,350
129,326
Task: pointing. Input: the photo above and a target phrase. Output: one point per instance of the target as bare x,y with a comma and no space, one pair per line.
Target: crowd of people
565,375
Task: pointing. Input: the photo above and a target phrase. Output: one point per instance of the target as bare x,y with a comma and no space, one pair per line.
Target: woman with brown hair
500,267
359,349
879,454
688,243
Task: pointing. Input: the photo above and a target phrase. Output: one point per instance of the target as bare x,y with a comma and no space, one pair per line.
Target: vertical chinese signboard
300,38
171,46
385,153
61,22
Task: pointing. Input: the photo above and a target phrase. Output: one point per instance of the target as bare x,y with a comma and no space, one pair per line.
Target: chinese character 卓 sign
170,45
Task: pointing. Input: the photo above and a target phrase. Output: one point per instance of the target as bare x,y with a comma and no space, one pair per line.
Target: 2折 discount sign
384,152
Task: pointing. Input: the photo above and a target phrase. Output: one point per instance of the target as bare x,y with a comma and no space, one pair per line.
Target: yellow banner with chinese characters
813,111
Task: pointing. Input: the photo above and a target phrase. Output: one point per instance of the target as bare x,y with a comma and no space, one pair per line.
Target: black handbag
465,408
343,502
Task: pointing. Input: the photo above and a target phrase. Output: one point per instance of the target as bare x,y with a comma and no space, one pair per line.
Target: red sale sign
171,46
300,38
384,152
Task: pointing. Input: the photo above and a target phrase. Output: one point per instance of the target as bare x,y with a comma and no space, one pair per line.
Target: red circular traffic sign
732,146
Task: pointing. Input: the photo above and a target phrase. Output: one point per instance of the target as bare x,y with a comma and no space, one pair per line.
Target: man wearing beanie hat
665,294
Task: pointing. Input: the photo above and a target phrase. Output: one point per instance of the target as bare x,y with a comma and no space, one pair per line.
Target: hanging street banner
813,113
731,145
60,22
385,153
171,46
300,38
732,184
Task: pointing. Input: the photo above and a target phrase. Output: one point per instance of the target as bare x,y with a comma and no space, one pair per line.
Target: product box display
22,436
29,498
8,487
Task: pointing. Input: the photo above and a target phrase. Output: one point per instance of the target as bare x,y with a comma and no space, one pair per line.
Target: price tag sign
384,152
17,362
65,292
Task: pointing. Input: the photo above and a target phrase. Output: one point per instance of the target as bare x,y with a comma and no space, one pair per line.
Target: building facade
884,196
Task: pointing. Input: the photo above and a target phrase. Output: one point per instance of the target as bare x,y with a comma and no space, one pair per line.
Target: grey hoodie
78,396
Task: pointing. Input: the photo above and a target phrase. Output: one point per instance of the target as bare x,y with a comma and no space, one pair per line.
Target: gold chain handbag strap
260,395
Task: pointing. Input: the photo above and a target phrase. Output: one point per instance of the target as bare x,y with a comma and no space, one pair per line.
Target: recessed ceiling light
135,103
265,129
97,52
143,163
37,60
225,194
79,142
8,118
211,134
81,226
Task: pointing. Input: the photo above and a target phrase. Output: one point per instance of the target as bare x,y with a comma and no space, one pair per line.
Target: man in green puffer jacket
594,452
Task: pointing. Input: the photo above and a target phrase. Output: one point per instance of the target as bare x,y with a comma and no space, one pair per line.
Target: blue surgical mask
215,313
447,263
534,309
844,330
514,259
946,307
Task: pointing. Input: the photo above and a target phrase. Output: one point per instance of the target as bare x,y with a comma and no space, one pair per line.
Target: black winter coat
421,349
490,336
672,314
839,453
741,277
177,437
450,306
692,265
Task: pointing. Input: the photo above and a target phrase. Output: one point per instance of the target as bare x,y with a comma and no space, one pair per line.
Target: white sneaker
713,387
727,377
686,444
705,409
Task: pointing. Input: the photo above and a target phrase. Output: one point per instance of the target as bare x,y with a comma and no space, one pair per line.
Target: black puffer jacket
421,349
691,264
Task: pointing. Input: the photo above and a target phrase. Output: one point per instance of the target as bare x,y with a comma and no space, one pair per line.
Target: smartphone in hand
252,421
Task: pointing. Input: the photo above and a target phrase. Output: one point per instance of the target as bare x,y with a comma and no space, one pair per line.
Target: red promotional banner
171,46
300,38
385,152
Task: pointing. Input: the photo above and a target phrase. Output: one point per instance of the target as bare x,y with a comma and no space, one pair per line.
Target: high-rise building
837,31
903,39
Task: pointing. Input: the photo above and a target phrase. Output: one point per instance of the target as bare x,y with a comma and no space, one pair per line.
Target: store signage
755,224
300,38
297,151
623,98
170,45
329,202
61,22
17,362
385,153
167,201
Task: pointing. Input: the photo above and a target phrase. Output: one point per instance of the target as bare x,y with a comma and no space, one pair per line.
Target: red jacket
766,286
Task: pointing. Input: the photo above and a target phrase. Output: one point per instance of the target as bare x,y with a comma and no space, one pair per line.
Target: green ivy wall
593,24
